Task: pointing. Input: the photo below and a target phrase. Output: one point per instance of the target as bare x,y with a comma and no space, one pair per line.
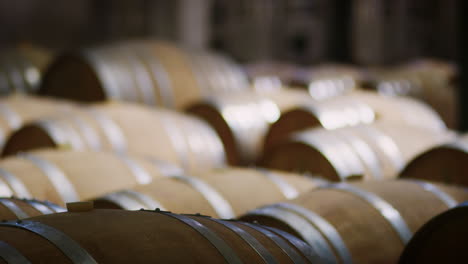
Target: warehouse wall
304,31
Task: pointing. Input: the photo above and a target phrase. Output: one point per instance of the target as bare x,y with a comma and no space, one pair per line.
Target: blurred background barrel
123,127
242,120
149,72
17,110
353,109
376,151
433,81
21,69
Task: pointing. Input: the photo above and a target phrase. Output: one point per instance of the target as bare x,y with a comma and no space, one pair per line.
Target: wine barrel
69,176
123,127
367,222
441,240
329,80
242,119
146,237
14,208
445,163
21,69
285,72
216,73
223,193
377,151
16,110
352,109
429,80
146,71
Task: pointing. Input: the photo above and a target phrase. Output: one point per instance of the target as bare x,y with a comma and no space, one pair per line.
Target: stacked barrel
174,155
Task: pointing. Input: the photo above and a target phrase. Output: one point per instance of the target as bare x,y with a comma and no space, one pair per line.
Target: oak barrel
367,222
18,109
328,80
144,71
118,236
21,69
353,109
69,176
126,128
432,81
376,151
443,239
444,163
223,193
242,119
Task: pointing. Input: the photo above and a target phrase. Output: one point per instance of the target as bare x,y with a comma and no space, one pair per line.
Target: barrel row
360,222
21,69
376,151
77,238
321,81
249,121
121,181
69,176
431,81
125,128
354,109
223,193
149,72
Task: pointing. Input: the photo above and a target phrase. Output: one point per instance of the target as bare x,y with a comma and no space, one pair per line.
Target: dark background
367,32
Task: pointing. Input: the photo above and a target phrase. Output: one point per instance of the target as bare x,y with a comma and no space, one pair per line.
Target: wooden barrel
216,73
120,127
429,80
367,222
329,80
150,72
14,208
441,240
242,119
396,109
445,163
21,69
16,110
223,193
285,72
353,109
69,176
377,151
146,237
